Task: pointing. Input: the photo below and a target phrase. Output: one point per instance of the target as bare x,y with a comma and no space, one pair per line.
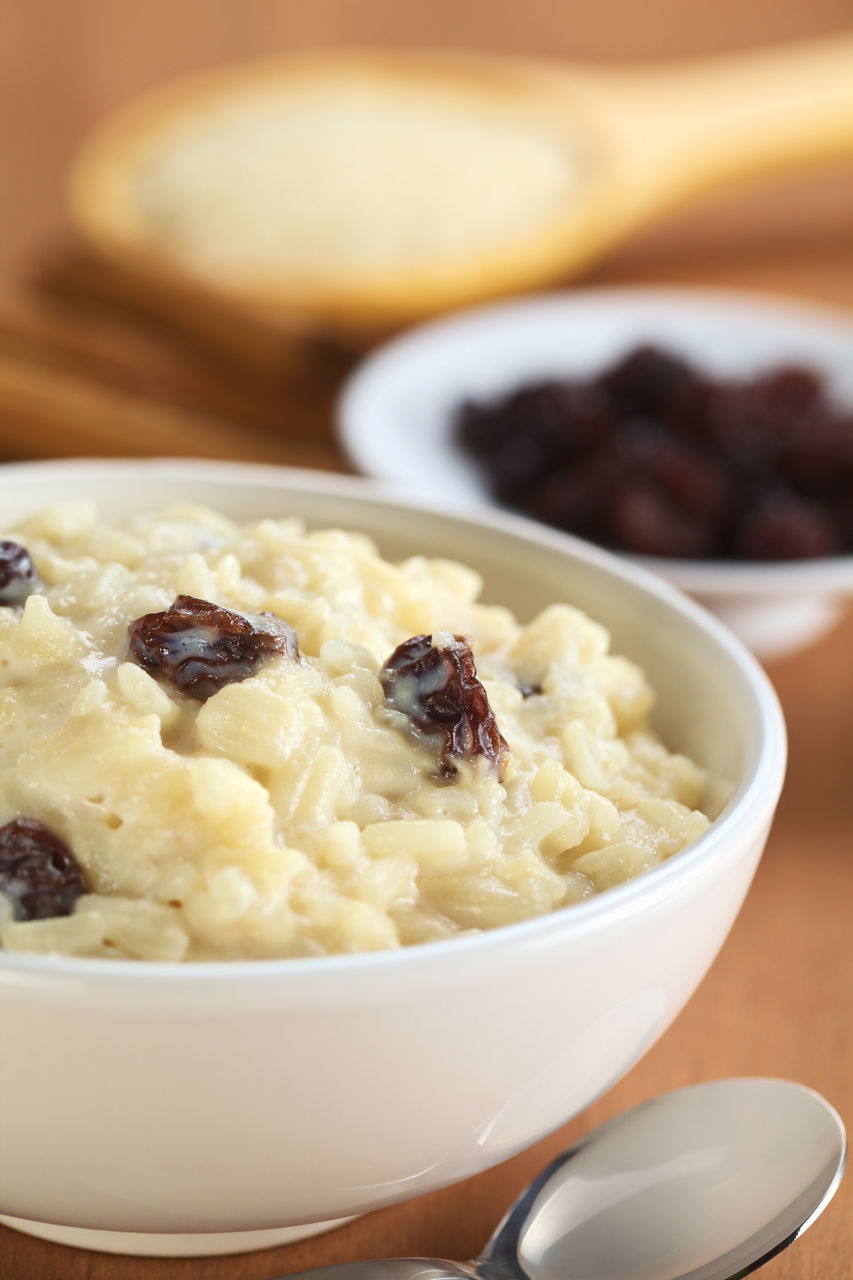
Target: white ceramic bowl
395,414
215,1107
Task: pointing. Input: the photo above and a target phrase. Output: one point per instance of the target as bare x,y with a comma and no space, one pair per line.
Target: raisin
643,520
38,873
561,417
18,577
436,686
652,381
738,429
692,481
841,511
199,647
522,437
517,464
785,395
574,497
820,461
784,527
564,418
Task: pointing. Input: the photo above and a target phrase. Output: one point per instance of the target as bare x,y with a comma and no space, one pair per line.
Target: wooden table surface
778,1001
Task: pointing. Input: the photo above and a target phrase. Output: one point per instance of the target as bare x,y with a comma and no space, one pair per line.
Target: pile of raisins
656,458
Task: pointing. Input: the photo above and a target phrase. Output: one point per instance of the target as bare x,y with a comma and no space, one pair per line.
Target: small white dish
395,415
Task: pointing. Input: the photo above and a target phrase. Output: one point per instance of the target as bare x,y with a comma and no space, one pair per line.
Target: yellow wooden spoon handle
686,128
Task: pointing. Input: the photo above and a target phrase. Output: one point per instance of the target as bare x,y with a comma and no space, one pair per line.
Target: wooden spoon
633,145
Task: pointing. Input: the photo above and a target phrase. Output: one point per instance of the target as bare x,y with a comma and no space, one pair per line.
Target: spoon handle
498,1260
686,128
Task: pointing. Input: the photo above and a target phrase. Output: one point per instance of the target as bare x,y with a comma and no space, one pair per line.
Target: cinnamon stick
49,413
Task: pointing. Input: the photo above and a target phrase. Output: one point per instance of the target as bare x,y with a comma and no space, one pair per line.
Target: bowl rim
745,817
730,577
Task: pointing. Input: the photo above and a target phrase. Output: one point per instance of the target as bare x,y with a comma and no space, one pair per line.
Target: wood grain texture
778,1001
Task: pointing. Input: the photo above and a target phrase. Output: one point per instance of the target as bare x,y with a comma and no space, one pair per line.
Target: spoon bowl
705,1183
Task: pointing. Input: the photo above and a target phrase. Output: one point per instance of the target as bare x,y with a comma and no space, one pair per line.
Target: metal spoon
706,1183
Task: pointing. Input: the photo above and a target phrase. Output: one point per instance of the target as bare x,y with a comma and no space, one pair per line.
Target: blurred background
66,64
